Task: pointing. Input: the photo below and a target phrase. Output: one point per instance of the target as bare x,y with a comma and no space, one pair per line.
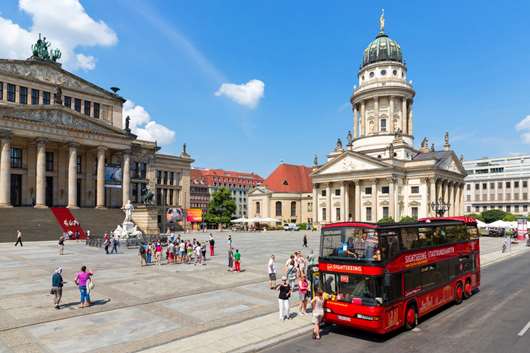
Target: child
237,261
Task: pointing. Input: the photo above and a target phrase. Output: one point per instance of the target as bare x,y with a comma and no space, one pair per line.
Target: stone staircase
99,221
35,224
41,224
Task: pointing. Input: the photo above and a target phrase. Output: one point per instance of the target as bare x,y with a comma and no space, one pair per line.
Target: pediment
258,191
350,162
51,74
451,164
60,117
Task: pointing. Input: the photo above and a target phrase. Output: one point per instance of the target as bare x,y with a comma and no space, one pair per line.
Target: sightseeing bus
380,278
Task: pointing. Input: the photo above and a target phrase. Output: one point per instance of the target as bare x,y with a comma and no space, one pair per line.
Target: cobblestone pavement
136,307
139,308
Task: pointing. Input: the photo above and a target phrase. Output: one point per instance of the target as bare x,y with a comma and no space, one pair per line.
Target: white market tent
481,224
263,220
240,220
501,224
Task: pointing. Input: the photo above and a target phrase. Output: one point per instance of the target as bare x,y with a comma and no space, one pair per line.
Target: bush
386,220
508,217
493,215
302,226
477,216
408,219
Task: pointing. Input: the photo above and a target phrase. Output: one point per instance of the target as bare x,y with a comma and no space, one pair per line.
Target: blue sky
468,60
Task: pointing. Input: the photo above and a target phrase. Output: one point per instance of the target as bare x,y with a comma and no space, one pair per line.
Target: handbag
91,285
52,291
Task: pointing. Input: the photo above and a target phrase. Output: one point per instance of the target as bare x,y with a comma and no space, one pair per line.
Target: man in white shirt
271,268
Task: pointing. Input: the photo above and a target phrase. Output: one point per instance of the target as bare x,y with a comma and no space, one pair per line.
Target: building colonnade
40,173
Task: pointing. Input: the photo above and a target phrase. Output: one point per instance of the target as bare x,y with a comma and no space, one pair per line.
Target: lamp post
440,207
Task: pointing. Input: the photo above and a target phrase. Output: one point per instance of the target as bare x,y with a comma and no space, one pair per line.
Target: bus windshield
356,289
351,242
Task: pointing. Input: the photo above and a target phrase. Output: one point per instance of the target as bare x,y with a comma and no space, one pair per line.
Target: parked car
291,226
496,232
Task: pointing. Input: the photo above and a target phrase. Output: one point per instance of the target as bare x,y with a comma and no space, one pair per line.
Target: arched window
258,208
293,209
278,208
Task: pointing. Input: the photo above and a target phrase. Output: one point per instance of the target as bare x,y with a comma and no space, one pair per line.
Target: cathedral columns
343,208
391,114
358,206
450,198
392,199
404,115
363,119
100,183
355,122
40,177
72,175
328,203
347,201
374,201
432,196
126,180
315,204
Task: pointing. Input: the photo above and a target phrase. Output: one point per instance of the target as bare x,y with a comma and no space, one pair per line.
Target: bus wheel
411,317
459,293
467,289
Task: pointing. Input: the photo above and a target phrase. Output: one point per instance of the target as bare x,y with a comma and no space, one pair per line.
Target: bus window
331,243
472,232
412,281
358,289
425,235
354,243
392,290
389,245
328,283
409,238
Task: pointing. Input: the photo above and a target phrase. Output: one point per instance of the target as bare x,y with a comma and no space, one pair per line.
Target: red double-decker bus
380,278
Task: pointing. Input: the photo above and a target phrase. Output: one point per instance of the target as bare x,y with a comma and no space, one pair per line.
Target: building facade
64,143
379,172
199,191
285,195
239,183
497,183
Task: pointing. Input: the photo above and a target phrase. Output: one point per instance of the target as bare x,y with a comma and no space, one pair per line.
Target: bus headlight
367,317
327,310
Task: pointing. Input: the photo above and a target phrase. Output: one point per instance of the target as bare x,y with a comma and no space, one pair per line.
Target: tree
407,219
221,207
508,217
477,216
386,220
493,215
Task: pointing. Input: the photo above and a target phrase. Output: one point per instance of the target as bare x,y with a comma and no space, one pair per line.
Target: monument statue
391,151
58,96
148,196
338,147
382,20
128,208
446,138
40,50
127,123
350,138
425,142
315,161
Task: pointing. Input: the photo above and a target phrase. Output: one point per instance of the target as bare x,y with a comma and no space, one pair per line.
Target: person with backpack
237,261
142,254
57,287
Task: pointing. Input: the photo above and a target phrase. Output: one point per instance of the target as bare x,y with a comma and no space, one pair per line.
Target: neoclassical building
63,143
379,172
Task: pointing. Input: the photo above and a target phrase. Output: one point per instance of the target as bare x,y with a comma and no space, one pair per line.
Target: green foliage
408,219
492,215
386,220
477,216
508,217
303,226
221,207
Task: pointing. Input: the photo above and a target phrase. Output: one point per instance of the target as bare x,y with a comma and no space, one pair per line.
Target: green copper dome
382,48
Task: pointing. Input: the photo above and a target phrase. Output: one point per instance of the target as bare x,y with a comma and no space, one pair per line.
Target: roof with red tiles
290,178
221,177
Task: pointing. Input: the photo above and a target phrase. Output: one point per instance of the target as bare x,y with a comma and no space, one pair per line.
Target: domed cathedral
379,173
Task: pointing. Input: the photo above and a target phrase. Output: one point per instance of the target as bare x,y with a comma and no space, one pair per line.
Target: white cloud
247,94
64,23
142,125
524,129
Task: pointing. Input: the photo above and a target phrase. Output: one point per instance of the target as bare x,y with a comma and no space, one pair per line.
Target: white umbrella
500,224
263,220
240,220
481,224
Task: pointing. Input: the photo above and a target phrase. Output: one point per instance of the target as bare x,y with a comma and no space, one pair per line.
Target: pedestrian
317,305
19,238
170,252
106,242
198,254
303,288
142,254
304,241
237,261
149,253
57,287
230,259
81,279
61,245
271,269
229,240
115,244
158,253
212,244
291,272
203,252
283,298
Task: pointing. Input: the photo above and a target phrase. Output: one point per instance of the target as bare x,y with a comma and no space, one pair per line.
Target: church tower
382,101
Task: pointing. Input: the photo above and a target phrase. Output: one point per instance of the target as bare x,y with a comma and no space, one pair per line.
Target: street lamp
440,207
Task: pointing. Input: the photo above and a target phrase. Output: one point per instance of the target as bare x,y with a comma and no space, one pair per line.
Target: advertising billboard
113,176
194,215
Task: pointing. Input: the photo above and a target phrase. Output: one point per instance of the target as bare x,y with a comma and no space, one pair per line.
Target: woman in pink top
303,287
81,279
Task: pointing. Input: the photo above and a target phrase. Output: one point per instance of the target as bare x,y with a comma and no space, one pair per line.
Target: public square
159,309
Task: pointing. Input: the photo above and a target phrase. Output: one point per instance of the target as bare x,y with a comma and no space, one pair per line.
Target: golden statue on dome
382,20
